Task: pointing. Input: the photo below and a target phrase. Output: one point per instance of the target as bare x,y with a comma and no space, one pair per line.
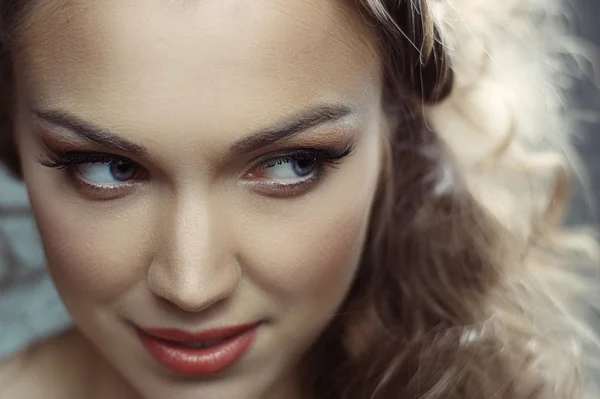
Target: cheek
93,254
309,256
327,252
305,252
306,265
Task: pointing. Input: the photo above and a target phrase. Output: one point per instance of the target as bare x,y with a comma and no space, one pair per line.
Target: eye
295,172
289,168
99,176
108,173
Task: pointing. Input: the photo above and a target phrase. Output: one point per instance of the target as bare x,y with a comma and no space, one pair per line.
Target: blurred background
31,309
588,97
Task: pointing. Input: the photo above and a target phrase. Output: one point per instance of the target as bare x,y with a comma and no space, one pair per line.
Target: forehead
195,60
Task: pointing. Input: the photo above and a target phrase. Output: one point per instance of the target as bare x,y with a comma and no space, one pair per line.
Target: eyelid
331,152
60,144
73,158
97,193
284,188
271,156
69,161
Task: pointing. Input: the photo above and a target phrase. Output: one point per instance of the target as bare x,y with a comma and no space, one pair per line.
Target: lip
167,346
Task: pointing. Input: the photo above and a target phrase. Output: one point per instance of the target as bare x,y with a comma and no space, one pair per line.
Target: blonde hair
507,104
504,165
470,284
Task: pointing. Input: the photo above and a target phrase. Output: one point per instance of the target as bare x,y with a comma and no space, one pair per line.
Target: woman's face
218,163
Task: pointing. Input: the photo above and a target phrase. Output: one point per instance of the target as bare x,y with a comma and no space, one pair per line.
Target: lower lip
197,362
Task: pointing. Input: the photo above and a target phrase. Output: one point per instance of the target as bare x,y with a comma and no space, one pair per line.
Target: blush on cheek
89,256
313,258
333,258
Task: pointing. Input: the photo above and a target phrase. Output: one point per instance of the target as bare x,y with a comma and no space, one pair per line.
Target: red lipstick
203,353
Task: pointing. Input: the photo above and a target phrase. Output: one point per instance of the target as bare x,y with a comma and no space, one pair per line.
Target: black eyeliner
328,155
61,160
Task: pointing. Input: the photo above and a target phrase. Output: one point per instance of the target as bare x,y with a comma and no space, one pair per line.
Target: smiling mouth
204,353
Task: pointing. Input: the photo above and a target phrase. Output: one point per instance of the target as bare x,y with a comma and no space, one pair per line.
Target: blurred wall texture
588,12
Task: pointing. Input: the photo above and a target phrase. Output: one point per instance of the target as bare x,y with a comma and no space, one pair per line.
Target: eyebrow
300,122
89,132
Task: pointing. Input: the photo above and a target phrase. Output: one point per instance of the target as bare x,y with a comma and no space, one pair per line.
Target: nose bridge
193,269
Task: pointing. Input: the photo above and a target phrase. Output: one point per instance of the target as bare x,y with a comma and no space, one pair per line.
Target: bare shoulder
44,370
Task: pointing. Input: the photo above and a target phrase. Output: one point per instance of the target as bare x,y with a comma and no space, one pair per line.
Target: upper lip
183,336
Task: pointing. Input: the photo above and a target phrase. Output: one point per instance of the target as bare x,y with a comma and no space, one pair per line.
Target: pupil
122,170
304,167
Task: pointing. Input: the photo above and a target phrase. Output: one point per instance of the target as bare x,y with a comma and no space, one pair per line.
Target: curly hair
469,285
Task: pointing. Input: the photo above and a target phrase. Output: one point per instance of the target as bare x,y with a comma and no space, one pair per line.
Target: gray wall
589,98
29,306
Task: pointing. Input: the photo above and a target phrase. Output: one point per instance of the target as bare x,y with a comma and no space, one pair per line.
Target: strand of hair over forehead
416,9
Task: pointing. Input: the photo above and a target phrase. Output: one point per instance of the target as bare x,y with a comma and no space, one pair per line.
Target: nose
193,268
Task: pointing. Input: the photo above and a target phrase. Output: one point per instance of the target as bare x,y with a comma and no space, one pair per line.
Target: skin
203,239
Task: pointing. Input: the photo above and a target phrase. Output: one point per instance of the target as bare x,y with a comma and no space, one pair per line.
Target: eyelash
71,159
63,160
324,157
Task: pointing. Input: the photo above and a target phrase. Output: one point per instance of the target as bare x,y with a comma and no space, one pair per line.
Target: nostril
191,303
